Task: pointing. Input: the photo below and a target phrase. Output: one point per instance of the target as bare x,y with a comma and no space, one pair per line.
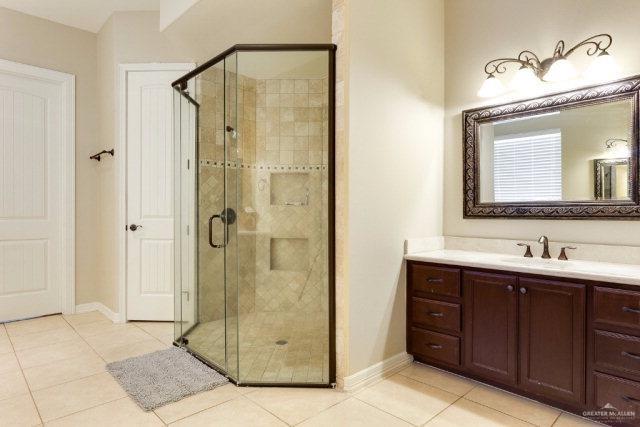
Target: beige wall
395,125
478,31
43,43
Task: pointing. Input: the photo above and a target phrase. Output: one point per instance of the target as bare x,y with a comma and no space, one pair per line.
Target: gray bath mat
165,376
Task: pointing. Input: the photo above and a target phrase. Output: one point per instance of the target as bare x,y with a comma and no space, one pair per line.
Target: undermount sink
540,262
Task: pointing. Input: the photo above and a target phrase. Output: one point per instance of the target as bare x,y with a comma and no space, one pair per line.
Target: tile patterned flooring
52,372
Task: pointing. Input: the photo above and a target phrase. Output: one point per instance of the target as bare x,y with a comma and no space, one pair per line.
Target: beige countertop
628,274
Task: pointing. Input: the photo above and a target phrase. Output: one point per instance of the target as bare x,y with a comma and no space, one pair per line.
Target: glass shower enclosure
254,214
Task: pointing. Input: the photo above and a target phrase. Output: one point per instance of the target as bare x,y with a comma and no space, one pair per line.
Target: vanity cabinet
569,343
552,318
491,305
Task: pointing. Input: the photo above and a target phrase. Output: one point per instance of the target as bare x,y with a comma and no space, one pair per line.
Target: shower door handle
214,245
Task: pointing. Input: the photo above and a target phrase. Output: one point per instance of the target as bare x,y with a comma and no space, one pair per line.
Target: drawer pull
434,346
630,310
435,314
630,399
631,355
434,279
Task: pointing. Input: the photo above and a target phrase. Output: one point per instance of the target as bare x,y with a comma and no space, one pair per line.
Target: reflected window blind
528,167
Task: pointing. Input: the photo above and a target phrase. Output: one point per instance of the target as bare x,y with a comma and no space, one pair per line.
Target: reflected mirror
567,155
555,156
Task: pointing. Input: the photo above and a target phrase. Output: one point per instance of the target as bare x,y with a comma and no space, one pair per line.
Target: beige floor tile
196,403
40,339
65,399
516,406
5,345
157,329
52,353
117,335
19,411
119,413
63,371
294,405
437,378
570,420
39,324
407,399
124,351
103,327
82,318
8,363
467,413
12,384
354,413
237,412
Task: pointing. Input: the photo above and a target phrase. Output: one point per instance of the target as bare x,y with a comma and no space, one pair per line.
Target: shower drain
281,342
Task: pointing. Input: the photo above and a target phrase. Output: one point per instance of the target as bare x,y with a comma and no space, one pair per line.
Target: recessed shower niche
289,189
254,277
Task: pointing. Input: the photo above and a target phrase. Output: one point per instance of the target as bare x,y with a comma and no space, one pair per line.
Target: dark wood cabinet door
552,339
490,326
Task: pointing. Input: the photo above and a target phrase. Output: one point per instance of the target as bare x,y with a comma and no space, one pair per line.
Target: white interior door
34,131
150,157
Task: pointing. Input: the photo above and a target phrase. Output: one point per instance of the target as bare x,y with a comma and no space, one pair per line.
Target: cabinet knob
523,291
510,288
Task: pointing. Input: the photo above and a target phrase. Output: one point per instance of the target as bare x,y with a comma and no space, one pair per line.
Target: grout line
35,405
380,409
497,410
87,342
432,418
557,418
202,410
267,410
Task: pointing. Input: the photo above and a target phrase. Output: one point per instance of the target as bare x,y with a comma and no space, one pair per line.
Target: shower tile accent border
219,164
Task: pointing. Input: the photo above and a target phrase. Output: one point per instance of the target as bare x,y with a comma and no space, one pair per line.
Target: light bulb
524,80
560,70
603,68
491,87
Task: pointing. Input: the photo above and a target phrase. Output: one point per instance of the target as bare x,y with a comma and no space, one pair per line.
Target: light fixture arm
595,44
611,142
526,58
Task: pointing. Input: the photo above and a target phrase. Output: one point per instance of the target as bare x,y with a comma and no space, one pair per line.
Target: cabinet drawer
439,314
617,351
624,395
616,307
436,280
434,345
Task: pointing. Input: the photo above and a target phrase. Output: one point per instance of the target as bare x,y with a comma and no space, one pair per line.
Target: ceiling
87,15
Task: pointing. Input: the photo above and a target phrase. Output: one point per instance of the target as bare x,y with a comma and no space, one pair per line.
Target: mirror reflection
575,154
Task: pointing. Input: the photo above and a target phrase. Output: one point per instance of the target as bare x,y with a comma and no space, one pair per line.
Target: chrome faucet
545,242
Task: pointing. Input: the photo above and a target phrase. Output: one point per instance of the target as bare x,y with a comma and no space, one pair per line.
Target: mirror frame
625,89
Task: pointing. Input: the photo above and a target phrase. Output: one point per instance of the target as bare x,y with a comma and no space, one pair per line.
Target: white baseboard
98,306
378,371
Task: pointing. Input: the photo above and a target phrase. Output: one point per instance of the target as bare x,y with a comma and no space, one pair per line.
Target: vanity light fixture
557,68
619,145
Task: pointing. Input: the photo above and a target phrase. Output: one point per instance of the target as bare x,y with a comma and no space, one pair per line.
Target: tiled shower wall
282,130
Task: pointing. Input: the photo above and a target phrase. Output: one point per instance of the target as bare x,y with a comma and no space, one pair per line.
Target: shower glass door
254,214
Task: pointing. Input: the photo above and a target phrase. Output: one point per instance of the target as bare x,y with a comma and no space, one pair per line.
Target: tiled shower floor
274,346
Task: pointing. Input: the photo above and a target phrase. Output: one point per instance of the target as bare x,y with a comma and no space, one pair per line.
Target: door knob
523,291
134,227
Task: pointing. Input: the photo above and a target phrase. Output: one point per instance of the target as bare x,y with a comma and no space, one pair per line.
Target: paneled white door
35,221
150,196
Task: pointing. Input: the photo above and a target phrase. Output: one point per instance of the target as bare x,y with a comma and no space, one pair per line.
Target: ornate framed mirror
567,155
